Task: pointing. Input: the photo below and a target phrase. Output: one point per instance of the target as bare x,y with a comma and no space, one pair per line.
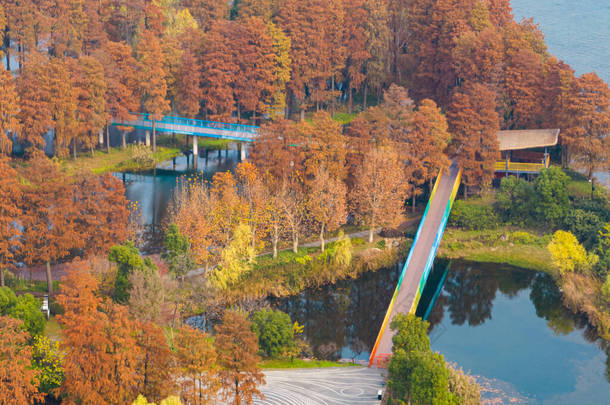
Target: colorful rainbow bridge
419,262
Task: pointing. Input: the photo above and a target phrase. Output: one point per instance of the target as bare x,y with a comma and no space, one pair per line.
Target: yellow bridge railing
519,167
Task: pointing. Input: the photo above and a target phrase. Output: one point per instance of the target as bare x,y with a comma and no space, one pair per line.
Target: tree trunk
238,114
295,242
332,96
7,41
74,148
465,192
107,138
1,277
49,280
371,233
124,139
366,90
322,238
154,136
302,114
413,201
274,243
350,96
592,185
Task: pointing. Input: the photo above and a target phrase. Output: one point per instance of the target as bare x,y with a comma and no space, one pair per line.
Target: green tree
602,250
128,259
552,201
274,331
27,308
568,255
585,225
48,360
178,255
515,200
8,299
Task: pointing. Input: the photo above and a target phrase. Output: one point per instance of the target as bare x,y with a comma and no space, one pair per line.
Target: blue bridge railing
203,124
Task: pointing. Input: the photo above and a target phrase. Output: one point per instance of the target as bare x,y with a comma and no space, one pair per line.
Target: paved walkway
322,386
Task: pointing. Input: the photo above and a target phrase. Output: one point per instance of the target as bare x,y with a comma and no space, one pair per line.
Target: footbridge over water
418,265
243,134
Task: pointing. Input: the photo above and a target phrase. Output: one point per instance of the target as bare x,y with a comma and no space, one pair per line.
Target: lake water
506,325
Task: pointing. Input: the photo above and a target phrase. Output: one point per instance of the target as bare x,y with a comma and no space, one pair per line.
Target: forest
360,104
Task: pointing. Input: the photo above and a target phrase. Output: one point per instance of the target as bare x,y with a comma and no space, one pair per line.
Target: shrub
358,241
381,244
274,331
514,200
568,255
584,225
473,217
551,199
523,238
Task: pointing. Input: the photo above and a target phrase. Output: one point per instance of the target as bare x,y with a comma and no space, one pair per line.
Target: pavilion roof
527,138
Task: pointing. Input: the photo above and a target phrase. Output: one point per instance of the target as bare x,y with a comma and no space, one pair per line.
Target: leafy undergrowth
301,363
133,158
290,274
517,248
52,330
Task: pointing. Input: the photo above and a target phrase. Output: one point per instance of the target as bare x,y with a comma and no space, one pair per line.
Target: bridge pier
147,138
195,151
243,151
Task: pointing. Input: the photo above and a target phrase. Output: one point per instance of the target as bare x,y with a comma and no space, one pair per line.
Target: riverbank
133,158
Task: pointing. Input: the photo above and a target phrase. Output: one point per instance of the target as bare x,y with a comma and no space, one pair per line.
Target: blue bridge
189,126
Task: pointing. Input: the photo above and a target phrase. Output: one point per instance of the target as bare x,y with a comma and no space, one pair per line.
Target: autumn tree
17,375
10,209
218,71
35,112
196,366
152,82
281,70
188,94
356,20
590,109
379,190
63,96
256,61
473,122
275,151
207,12
91,98
378,37
49,220
101,351
154,363
293,206
9,109
237,346
523,82
251,187
236,258
101,212
327,202
122,95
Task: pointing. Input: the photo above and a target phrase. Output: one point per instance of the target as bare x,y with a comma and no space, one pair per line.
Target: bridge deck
210,129
418,264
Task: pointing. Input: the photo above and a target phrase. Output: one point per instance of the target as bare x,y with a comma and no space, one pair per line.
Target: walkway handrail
202,124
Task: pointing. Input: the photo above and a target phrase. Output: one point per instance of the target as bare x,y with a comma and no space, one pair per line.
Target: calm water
507,326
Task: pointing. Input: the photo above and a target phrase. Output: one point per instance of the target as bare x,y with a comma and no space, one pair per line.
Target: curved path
322,386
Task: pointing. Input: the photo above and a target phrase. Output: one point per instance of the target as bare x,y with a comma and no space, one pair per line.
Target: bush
568,255
551,200
523,238
274,331
381,244
514,200
472,217
358,241
27,308
584,225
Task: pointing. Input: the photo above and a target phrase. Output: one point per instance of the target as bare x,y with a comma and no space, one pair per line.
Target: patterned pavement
325,386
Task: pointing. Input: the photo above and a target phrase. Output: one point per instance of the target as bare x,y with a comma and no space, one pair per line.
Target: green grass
213,144
344,118
117,160
52,329
300,363
496,246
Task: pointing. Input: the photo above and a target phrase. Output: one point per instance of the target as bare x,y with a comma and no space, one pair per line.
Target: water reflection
503,323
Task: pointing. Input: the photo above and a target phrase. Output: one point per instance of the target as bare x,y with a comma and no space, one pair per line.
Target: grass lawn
52,330
203,143
300,363
496,246
117,160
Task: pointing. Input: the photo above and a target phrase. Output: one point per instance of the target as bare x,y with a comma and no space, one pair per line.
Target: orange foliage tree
49,219
237,346
156,378
34,100
151,67
195,366
474,124
9,108
101,352
10,209
590,112
16,372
